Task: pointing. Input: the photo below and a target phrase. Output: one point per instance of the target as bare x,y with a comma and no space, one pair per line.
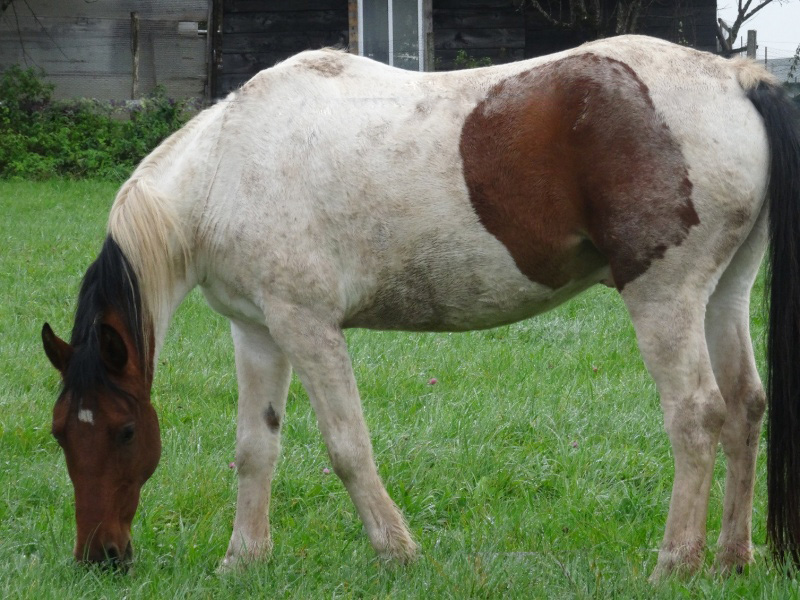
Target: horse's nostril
128,553
112,553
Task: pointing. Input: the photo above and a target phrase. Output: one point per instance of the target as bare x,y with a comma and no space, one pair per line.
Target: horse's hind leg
318,352
263,374
728,335
669,330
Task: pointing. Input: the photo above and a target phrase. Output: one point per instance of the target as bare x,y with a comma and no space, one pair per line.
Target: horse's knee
256,453
348,456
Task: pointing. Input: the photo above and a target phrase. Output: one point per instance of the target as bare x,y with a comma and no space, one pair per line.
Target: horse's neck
161,322
153,219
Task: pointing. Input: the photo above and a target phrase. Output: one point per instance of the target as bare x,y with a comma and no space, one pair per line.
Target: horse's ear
58,351
112,348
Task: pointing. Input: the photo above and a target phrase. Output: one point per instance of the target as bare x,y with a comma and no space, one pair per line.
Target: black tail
782,120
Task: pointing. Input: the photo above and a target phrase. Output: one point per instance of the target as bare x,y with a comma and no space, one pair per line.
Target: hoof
240,555
682,561
733,559
397,546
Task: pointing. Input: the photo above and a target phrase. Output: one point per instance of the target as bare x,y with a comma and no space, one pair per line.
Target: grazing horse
332,191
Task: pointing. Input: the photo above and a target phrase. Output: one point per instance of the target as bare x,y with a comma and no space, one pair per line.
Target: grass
536,467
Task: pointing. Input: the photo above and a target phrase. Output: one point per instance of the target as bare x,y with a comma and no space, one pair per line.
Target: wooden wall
481,28
508,30
258,33
85,47
691,22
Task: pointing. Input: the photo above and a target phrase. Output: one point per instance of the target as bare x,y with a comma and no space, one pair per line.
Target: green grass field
537,466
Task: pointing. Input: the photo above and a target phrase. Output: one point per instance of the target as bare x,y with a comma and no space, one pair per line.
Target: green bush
465,61
41,137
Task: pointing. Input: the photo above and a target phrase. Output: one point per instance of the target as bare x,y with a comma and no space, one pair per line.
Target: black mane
110,284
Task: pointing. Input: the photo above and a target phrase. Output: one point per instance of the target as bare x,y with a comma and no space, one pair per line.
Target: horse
331,191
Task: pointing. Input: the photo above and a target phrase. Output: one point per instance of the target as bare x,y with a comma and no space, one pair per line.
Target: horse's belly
459,296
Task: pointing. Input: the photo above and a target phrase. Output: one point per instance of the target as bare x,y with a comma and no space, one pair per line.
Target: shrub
465,61
41,137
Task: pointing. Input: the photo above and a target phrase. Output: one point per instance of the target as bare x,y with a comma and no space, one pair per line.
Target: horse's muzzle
110,556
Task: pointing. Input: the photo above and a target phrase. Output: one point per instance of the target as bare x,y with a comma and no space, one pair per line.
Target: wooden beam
215,31
427,25
751,43
352,22
135,52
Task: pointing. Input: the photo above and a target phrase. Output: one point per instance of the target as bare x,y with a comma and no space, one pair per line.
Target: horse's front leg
318,353
263,374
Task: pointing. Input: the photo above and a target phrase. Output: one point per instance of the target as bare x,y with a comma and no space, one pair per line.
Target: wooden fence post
352,23
751,43
135,51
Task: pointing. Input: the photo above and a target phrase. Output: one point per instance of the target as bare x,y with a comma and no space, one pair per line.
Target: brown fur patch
272,419
328,66
570,166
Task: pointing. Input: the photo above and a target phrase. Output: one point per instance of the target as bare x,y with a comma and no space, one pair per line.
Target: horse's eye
126,434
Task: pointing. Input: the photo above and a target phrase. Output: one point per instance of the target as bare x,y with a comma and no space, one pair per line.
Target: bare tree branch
743,14
723,41
536,6
756,9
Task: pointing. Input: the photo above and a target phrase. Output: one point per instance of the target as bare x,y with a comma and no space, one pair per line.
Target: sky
777,26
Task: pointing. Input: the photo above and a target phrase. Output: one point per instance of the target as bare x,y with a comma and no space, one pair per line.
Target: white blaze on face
86,416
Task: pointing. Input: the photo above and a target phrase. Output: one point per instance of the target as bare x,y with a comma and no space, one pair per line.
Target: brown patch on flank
272,419
570,166
327,66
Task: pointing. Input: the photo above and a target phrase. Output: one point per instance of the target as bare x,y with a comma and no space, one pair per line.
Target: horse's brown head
103,418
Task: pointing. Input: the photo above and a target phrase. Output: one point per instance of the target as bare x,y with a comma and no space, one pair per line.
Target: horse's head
104,422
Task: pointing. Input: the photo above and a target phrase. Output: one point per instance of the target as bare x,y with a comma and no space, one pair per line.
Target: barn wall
85,47
508,30
256,34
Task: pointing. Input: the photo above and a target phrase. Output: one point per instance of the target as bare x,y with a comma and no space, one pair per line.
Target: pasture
536,466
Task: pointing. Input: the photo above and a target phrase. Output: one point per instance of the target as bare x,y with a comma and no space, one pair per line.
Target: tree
744,12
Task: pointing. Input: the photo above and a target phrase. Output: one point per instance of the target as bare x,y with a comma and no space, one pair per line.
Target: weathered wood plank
229,83
250,63
479,38
178,10
477,19
245,6
278,22
482,4
294,41
96,45
96,52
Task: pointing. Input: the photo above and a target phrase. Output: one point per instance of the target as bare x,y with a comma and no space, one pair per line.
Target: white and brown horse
332,191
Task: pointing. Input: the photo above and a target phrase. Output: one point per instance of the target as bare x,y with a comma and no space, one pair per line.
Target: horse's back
458,200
